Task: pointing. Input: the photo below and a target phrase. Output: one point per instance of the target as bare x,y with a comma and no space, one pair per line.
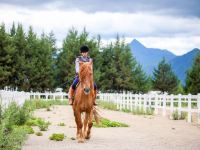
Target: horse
83,102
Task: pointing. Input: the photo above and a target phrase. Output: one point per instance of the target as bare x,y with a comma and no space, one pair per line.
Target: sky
167,24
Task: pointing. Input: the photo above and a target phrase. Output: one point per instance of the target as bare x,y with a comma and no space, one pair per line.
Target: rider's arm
77,65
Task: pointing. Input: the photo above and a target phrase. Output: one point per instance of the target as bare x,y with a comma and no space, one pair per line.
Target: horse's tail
96,115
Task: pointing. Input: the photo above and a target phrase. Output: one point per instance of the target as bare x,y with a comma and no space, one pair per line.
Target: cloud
177,45
179,34
169,7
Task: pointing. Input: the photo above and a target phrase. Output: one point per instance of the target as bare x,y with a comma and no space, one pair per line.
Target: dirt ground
144,133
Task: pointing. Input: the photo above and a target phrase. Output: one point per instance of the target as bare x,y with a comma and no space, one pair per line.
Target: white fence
7,96
164,103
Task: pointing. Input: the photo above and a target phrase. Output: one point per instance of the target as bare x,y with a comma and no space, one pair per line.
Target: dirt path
144,133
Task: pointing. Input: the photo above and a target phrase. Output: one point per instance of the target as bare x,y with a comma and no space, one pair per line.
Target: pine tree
32,55
108,71
142,83
20,78
13,30
164,78
120,71
193,77
6,57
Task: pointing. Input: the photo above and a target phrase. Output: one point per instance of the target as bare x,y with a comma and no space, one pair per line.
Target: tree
193,77
107,69
141,81
43,79
19,78
6,57
119,69
13,30
164,78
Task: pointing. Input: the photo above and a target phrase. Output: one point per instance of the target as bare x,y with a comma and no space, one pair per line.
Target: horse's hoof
81,141
87,137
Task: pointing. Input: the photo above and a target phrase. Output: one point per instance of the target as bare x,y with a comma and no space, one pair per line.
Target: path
144,133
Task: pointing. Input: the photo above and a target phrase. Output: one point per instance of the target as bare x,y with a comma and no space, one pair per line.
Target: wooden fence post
189,109
171,105
179,105
145,102
131,101
156,104
117,100
198,107
164,105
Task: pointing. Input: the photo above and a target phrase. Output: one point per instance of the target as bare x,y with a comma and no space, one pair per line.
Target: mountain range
149,58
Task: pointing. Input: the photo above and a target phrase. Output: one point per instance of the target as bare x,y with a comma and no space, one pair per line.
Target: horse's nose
86,90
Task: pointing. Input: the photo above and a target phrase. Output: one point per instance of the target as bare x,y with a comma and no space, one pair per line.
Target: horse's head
86,76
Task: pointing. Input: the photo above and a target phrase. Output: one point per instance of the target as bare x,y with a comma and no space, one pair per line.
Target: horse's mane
85,69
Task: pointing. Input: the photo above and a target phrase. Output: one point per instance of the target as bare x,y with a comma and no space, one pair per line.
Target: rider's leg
72,90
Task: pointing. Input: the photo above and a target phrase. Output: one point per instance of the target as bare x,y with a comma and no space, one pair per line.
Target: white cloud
177,45
161,31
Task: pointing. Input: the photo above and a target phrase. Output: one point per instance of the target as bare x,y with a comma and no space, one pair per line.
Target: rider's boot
71,95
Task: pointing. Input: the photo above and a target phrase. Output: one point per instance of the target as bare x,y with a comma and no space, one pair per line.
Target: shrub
39,134
29,129
107,105
57,137
48,109
31,122
61,124
105,123
40,103
43,126
141,111
15,114
175,115
13,139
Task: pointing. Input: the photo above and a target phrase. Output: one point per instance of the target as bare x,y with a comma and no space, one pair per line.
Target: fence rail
164,103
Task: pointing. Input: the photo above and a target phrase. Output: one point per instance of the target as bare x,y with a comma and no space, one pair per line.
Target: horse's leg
89,124
85,124
79,124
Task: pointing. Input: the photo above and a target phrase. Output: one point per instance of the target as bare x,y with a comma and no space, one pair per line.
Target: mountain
181,64
149,57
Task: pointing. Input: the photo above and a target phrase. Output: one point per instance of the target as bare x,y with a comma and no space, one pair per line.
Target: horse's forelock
85,69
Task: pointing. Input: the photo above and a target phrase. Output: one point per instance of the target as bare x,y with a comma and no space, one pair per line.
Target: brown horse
83,102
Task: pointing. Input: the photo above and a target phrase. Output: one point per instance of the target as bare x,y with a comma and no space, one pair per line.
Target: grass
135,111
16,121
48,109
29,129
61,124
57,137
107,105
175,115
39,134
183,104
43,126
105,123
12,129
40,103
